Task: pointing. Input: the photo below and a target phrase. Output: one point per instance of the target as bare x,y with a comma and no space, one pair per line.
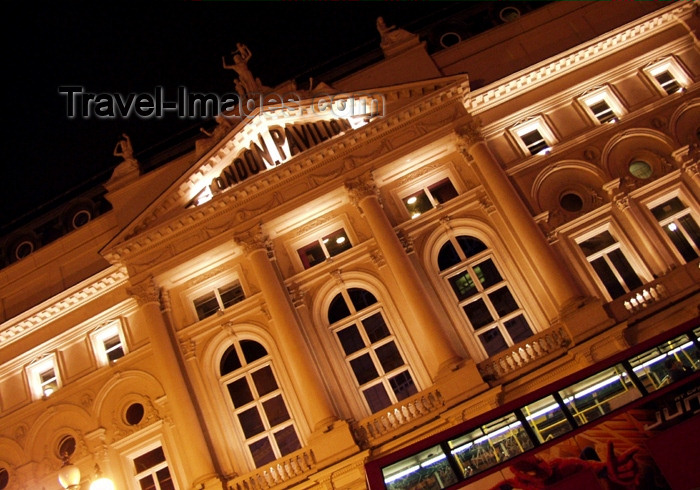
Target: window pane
470,245
443,191
147,483
164,479
503,301
546,418
691,227
599,394
240,392
337,309
625,269
487,273
478,314
264,381
337,242
493,341
426,470
417,203
518,329
262,452
376,397
403,385
206,306
149,459
287,440
375,327
666,363
462,285
252,350
597,243
311,255
679,240
602,111
534,141
389,357
360,298
350,339
229,361
276,410
447,257
610,281
364,369
251,423
231,294
668,209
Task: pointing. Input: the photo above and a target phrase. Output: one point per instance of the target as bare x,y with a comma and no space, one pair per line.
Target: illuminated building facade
332,279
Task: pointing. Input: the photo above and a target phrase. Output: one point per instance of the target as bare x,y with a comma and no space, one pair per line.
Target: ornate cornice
342,150
13,330
576,59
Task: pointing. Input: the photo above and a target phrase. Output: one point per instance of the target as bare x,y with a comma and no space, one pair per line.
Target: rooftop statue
128,170
246,83
394,40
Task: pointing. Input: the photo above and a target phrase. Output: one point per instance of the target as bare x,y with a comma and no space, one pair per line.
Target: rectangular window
534,142
675,219
671,361
610,264
152,472
219,299
429,197
327,246
533,136
546,419
668,76
44,377
602,105
668,82
108,343
600,394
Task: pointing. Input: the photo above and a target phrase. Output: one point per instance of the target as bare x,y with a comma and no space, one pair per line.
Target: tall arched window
258,403
494,314
370,349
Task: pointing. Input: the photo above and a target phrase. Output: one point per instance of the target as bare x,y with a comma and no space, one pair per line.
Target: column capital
253,239
145,292
469,133
361,187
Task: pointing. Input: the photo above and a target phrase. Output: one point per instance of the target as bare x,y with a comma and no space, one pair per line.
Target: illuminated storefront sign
275,146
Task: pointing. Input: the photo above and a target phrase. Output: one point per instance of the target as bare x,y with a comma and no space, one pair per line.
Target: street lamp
69,477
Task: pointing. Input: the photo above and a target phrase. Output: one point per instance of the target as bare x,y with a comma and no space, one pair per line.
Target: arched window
370,349
258,403
483,294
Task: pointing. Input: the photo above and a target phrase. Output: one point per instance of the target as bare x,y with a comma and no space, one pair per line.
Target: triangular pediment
272,134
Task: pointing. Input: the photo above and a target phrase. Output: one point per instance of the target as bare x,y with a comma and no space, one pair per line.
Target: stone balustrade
281,473
520,355
397,418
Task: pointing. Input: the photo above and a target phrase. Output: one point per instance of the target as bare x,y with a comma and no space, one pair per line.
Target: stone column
427,327
288,333
582,316
196,455
658,265
501,191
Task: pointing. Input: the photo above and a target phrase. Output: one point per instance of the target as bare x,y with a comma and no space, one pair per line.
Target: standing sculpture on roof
246,82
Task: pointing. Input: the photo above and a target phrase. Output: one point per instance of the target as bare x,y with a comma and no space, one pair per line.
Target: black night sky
123,48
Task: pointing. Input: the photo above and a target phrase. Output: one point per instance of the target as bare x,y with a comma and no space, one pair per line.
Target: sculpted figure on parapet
246,83
391,34
128,169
